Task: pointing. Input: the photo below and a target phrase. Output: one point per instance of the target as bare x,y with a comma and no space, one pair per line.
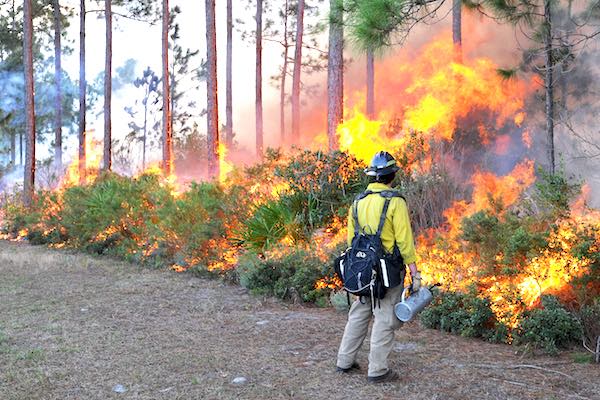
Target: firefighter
396,235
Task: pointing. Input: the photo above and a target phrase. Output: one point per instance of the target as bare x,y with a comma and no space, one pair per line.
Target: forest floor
74,326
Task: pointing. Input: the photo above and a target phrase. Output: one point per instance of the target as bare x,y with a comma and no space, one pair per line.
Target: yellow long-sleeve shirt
396,227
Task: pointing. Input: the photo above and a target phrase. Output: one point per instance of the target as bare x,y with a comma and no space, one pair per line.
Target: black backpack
364,268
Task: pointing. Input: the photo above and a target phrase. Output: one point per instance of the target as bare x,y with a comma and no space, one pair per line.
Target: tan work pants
382,334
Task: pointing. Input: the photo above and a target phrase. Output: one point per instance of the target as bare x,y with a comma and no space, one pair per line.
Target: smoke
503,145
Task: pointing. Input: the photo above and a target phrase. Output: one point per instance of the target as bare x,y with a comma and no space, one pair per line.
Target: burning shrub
269,224
287,273
322,185
549,328
113,214
554,193
195,226
502,242
463,314
587,285
429,194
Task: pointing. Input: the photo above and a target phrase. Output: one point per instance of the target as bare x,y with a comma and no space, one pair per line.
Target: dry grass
74,326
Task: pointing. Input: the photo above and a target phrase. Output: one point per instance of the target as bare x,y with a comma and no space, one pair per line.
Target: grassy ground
74,326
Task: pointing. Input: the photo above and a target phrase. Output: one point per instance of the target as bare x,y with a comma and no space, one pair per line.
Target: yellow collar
378,187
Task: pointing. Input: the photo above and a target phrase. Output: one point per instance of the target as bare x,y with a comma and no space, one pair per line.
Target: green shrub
589,317
554,192
269,224
463,314
549,328
322,185
504,242
290,274
587,285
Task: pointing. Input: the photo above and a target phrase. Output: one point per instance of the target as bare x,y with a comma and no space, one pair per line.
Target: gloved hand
415,282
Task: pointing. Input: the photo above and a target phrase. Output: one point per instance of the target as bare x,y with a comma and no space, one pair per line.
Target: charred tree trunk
212,114
370,84
335,74
58,83
82,94
296,76
286,48
549,84
167,132
229,78
259,105
457,29
29,171
107,158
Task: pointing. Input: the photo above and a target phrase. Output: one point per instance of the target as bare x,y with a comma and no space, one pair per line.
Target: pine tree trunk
335,74
284,68
29,170
457,29
229,78
549,84
370,84
82,94
145,131
13,135
107,159
58,83
167,132
296,76
212,115
259,105
564,77
13,149
172,100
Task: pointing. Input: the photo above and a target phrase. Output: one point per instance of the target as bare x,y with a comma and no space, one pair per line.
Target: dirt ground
75,327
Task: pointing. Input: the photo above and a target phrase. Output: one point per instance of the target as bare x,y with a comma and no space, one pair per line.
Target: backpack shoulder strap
389,194
355,216
355,209
386,204
363,195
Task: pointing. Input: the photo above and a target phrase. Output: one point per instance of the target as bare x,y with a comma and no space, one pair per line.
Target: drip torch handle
406,289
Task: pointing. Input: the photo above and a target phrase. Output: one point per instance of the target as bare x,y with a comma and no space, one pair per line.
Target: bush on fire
140,219
549,328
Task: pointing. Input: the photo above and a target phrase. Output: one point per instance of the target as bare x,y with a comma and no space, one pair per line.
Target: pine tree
335,72
107,157
166,94
259,103
29,171
58,82
229,78
457,29
82,94
212,114
297,72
